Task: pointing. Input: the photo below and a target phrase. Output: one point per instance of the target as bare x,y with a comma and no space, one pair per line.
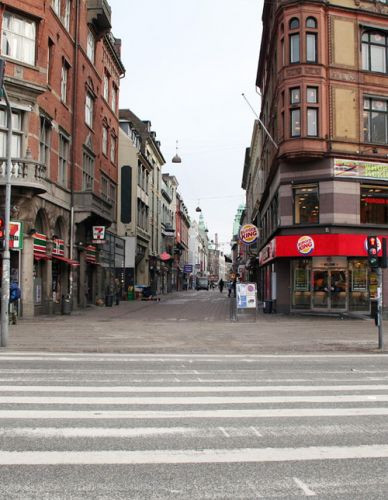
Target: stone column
27,278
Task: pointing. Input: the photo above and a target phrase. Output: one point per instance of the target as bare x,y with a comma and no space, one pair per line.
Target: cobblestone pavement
190,322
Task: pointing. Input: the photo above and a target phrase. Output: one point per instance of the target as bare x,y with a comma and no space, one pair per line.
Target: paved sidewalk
190,322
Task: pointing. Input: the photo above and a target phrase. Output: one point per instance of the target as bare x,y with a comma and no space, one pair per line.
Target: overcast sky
187,63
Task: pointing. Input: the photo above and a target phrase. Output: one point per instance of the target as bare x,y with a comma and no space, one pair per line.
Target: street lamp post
7,210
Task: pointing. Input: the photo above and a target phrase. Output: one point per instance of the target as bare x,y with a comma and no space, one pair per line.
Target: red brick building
63,72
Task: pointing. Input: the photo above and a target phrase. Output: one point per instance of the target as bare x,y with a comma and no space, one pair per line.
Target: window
374,51
64,80
16,150
90,46
106,87
50,60
57,7
88,171
44,141
66,14
105,140
294,48
89,107
63,158
312,95
104,187
18,38
375,120
112,196
295,95
306,204
294,23
374,205
311,22
312,122
113,149
311,47
114,98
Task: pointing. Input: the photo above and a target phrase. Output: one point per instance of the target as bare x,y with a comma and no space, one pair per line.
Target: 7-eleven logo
98,232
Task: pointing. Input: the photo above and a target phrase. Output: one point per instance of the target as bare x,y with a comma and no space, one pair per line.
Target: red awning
71,262
41,256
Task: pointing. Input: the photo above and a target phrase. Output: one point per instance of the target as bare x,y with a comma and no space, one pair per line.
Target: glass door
338,289
320,282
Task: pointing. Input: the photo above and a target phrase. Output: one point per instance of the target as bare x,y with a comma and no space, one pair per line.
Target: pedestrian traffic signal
372,251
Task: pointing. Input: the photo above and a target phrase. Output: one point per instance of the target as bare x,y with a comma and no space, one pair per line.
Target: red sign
316,245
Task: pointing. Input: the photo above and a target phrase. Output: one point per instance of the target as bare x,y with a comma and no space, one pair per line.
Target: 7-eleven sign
16,235
98,233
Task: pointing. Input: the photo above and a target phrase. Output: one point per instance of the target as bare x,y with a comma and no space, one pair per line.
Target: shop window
301,284
374,51
306,204
375,120
18,38
360,283
374,205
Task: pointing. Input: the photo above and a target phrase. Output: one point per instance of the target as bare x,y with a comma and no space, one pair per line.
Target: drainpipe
74,144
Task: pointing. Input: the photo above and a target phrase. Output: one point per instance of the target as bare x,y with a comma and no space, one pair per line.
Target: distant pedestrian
230,288
221,285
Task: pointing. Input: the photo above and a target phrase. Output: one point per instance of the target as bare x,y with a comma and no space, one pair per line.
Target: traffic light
372,251
2,233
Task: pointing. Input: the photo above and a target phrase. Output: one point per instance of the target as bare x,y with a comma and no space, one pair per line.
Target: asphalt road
186,426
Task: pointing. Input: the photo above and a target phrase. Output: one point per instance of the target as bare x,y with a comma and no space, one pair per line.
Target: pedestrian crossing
275,425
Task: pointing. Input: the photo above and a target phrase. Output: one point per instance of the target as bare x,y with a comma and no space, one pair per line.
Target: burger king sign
305,245
248,234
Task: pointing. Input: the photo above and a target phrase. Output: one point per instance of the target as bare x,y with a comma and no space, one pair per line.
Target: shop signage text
99,234
360,169
248,234
305,245
15,235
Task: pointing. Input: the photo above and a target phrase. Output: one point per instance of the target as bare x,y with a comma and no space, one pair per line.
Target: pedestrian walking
221,285
230,288
14,296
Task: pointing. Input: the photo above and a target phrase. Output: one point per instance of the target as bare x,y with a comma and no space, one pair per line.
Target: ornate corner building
323,77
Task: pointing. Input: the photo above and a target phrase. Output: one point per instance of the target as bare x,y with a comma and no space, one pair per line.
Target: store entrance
329,289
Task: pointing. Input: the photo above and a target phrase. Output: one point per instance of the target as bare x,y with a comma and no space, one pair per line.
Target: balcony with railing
26,174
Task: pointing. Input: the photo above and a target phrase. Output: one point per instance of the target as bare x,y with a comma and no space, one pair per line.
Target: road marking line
242,455
306,490
193,388
183,400
99,432
185,414
256,432
224,432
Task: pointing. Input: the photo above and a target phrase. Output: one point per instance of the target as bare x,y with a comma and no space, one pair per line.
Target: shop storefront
324,273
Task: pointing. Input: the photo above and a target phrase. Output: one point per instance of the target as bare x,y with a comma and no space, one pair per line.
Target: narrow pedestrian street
191,427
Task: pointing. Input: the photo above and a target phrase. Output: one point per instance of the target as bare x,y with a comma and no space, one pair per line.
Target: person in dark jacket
221,285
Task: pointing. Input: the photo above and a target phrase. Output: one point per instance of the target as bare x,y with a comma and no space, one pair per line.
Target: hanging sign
58,247
248,234
91,254
98,234
15,235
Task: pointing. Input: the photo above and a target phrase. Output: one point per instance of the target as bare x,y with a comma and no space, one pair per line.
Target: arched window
311,22
294,23
374,51
40,222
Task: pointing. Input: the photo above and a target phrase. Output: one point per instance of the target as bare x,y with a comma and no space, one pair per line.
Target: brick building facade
63,72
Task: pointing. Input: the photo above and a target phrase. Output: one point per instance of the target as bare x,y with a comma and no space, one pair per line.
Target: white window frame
56,4
105,140
114,98
66,14
18,38
91,46
106,87
64,81
17,133
63,158
89,109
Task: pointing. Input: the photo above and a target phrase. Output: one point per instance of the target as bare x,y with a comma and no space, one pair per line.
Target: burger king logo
305,245
248,234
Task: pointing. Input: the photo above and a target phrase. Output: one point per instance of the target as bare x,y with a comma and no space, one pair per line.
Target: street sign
188,268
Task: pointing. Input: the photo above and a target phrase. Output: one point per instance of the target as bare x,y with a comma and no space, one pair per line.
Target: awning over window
71,262
41,256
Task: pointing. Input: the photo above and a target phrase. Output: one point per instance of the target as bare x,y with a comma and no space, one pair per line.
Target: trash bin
65,305
109,300
131,293
267,306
